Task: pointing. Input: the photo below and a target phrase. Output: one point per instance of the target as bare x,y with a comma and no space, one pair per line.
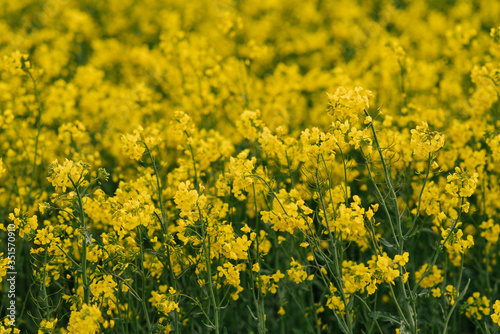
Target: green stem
86,288
338,268
388,183
164,225
437,252
143,279
261,315
289,169
369,310
400,242
403,90
299,306
44,287
460,297
39,129
196,183
420,198
164,221
384,205
345,174
206,250
313,311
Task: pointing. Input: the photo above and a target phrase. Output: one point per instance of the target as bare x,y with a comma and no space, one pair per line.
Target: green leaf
340,322
386,243
423,293
384,316
403,329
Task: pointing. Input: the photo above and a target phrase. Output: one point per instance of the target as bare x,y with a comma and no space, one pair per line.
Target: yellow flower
246,229
495,316
131,146
334,300
461,184
455,245
186,200
250,124
3,170
434,277
477,306
491,233
16,63
240,173
44,236
103,288
348,104
163,302
277,276
297,273
436,292
451,293
4,266
47,326
424,141
87,320
65,175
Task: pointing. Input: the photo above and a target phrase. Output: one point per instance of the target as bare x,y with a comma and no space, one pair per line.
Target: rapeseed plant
244,167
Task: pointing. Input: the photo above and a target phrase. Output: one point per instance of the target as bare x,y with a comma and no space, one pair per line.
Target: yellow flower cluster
131,146
494,144
451,293
4,265
357,278
460,184
385,269
188,202
348,104
334,301
2,168
163,300
477,306
455,245
424,142
240,173
269,283
331,162
66,175
491,232
434,277
297,273
232,276
103,288
350,223
289,213
249,124
15,63
47,325
22,223
495,316
87,320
